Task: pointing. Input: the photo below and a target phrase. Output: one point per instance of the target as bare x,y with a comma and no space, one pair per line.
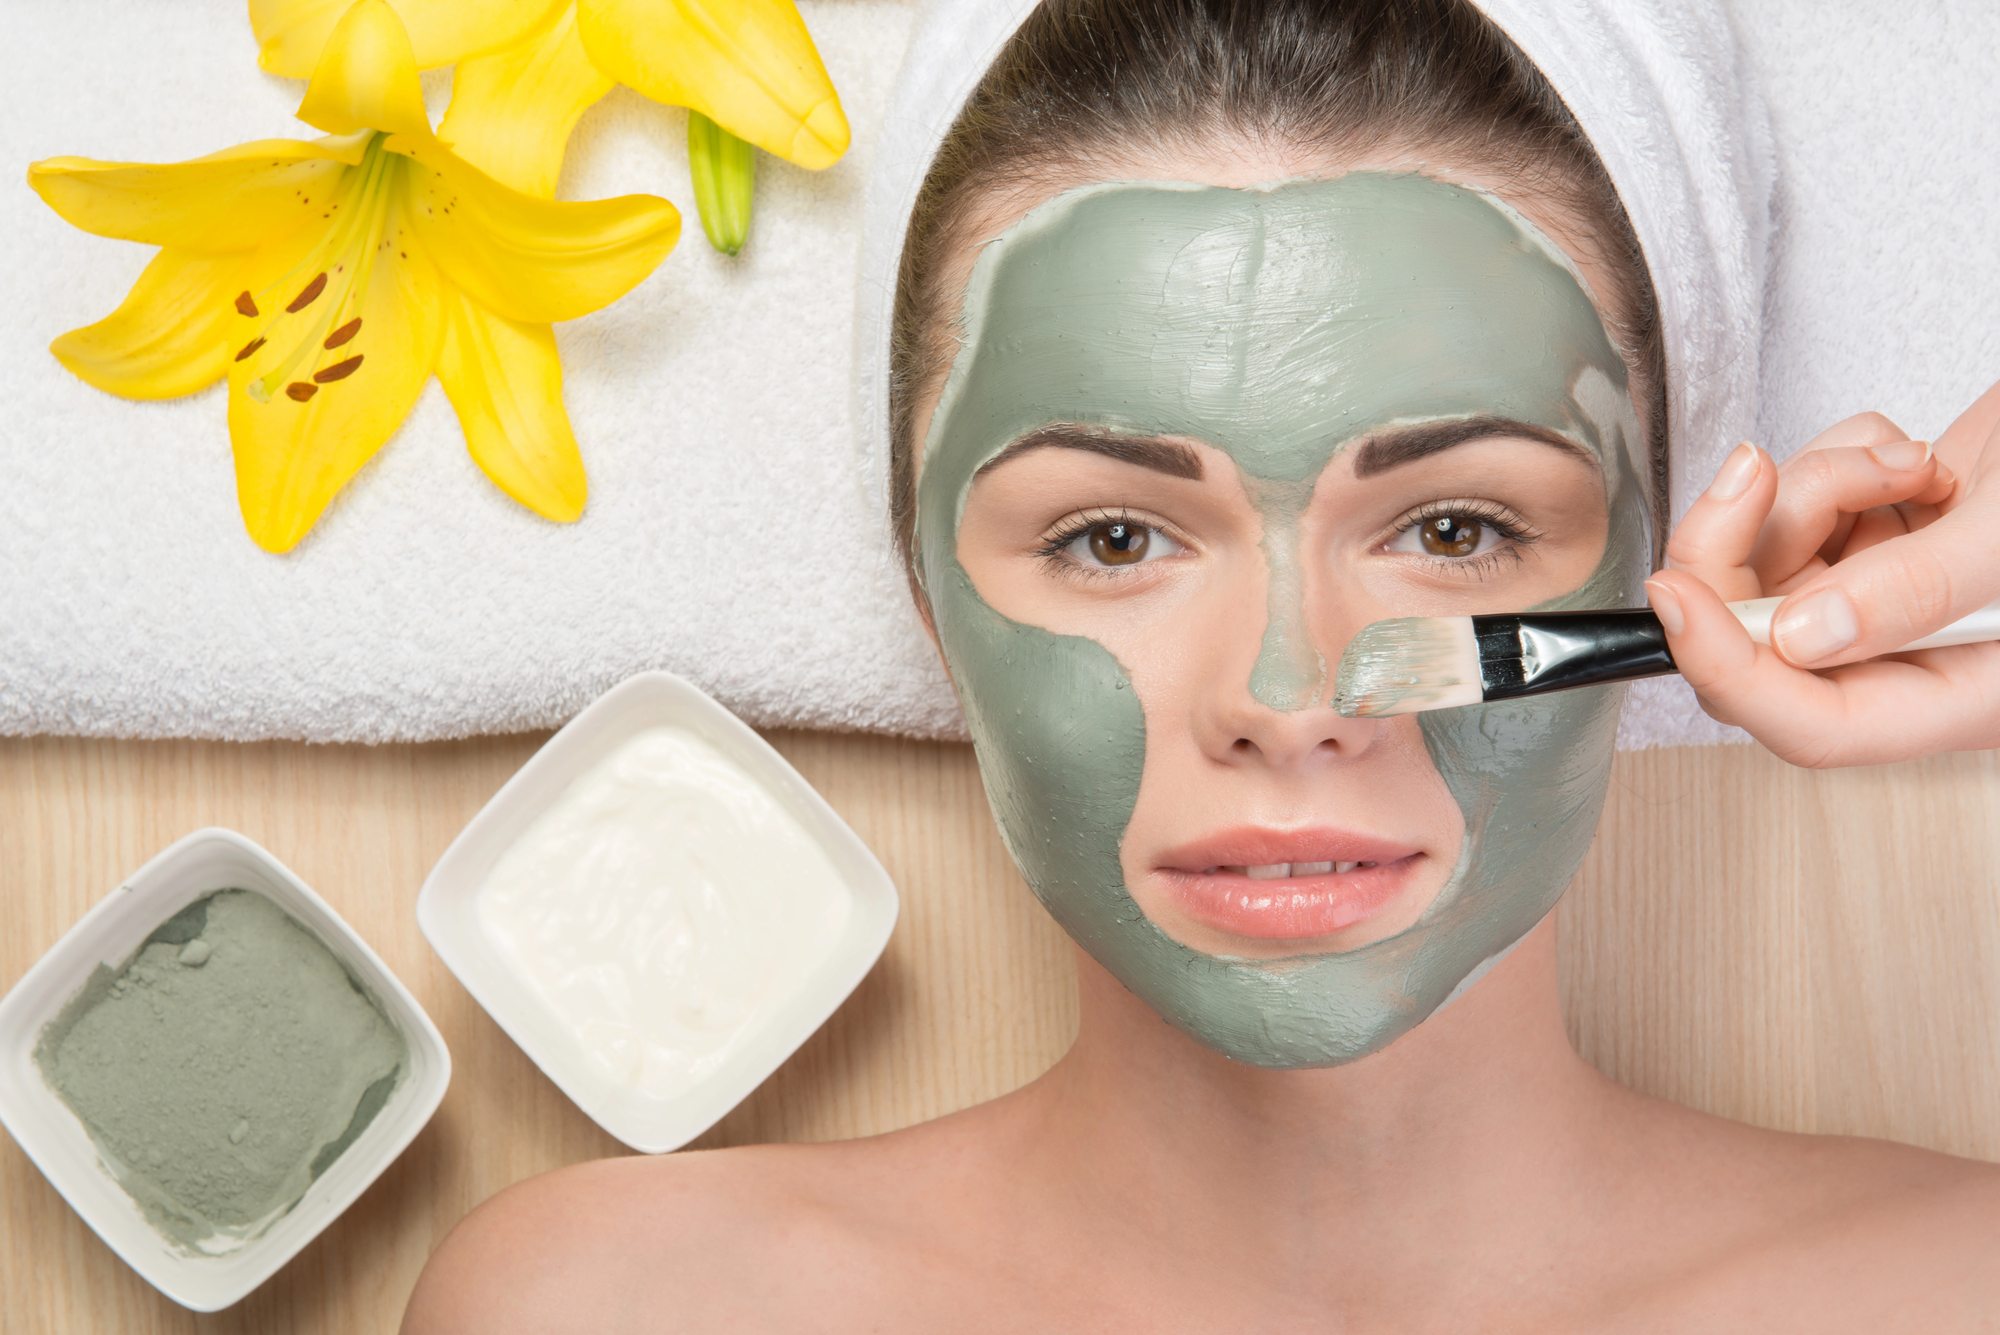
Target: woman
1224,331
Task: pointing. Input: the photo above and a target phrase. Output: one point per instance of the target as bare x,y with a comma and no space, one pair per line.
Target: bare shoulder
1836,1233
768,1236
1908,1236
567,1250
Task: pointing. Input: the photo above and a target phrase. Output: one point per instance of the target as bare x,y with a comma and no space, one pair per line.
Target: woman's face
1196,438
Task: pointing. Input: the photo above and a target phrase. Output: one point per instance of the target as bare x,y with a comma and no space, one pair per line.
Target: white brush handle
1983,625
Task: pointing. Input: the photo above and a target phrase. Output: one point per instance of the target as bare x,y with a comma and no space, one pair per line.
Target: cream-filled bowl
658,910
212,1273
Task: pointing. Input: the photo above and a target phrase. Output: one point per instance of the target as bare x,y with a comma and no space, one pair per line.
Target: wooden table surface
1812,951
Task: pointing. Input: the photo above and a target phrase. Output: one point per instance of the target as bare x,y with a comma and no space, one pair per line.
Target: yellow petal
326,414
292,33
169,337
512,111
505,380
748,65
532,260
235,200
366,78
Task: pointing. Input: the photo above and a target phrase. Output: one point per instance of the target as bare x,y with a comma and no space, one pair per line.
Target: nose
1279,712
1235,727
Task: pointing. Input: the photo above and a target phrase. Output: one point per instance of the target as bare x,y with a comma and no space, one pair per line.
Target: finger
1878,526
1870,431
1893,593
1944,485
1917,511
1962,445
1817,489
1899,708
1714,539
1856,433
1737,680
1868,713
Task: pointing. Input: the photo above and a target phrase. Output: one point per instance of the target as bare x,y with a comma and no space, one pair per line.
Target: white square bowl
448,912
205,861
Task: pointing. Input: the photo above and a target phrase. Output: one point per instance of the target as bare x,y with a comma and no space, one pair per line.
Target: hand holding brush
1865,543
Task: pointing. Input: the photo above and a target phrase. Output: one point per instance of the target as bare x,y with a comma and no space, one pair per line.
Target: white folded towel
735,532
729,537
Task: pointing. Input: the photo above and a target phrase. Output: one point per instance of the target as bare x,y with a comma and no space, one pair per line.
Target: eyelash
1516,534
1055,546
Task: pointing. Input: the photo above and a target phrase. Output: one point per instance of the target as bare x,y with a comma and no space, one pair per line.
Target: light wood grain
1814,951
1805,950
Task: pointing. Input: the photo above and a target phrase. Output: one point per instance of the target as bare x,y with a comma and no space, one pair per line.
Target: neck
1449,1132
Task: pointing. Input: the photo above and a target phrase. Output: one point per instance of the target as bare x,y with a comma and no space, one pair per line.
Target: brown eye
1452,535
1119,544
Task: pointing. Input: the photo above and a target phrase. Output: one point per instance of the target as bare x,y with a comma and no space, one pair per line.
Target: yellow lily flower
748,65
291,34
527,69
329,280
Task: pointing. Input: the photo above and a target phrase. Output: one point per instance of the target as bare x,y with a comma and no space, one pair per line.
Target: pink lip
1204,879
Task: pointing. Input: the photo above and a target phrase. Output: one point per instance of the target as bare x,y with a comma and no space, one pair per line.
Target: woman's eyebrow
1162,456
1402,445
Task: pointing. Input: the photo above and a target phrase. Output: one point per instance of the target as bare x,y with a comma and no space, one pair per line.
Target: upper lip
1262,846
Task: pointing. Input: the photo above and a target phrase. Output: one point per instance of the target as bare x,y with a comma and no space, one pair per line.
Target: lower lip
1295,907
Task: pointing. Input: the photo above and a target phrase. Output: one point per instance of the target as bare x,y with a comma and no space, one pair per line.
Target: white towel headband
1662,90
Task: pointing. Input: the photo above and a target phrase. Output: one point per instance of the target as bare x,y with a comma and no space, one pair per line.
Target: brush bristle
1408,665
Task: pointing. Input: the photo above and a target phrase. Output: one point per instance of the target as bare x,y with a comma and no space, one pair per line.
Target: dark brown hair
1086,84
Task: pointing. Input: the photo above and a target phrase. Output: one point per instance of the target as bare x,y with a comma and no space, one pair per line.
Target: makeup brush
1412,664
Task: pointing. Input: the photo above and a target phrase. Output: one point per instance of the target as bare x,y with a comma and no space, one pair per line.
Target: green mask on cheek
1280,325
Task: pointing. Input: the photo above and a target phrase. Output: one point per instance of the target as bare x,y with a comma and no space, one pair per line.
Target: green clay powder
223,1068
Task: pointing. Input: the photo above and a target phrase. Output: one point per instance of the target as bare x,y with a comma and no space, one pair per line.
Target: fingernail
1738,471
1817,626
1904,456
1667,607
1946,476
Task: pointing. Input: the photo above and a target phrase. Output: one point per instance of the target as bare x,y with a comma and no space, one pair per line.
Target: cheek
1204,630
1170,625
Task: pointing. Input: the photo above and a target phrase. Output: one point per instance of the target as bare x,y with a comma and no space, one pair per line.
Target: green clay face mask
1280,325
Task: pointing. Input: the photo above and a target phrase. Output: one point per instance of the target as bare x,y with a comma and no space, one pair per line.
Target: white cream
661,906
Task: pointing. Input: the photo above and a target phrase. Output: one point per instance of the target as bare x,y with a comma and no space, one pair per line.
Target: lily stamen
337,371
305,298
372,181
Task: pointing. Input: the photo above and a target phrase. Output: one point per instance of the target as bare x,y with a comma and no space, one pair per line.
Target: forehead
1275,323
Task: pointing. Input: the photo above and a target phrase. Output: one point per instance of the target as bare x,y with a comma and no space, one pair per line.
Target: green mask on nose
1281,325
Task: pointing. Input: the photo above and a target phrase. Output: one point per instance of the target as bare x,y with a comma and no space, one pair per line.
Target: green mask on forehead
1281,325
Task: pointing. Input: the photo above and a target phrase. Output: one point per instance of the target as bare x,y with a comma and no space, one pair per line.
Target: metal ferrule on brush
1528,653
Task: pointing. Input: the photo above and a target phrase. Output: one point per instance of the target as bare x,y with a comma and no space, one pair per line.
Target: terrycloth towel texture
735,531
729,535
